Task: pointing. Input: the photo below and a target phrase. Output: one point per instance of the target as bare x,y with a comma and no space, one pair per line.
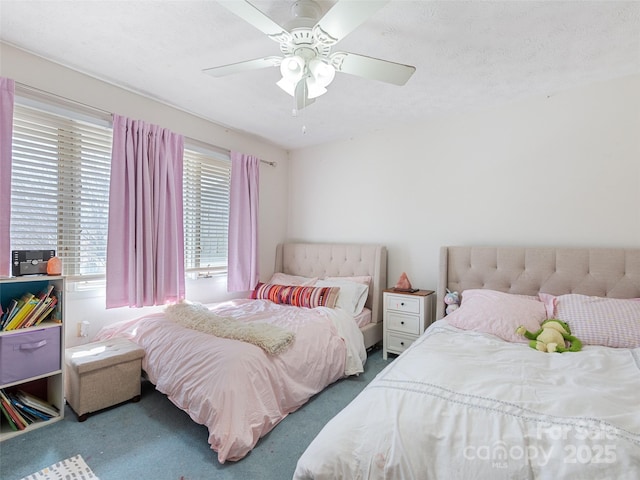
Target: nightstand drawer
404,303
398,343
403,323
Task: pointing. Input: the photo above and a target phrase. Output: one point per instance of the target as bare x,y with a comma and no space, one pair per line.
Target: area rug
73,467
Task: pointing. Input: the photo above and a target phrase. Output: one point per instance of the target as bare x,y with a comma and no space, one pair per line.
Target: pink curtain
7,92
145,246
243,223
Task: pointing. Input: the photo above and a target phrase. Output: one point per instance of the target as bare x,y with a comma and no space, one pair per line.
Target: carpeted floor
152,439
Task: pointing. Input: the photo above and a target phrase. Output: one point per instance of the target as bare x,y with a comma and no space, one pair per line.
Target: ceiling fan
307,64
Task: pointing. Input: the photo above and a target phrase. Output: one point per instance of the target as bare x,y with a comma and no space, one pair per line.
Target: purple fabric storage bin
29,354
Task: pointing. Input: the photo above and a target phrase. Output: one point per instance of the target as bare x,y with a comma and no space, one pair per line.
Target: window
60,193
207,178
60,188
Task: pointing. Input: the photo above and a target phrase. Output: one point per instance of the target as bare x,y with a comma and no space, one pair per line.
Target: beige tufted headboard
344,260
603,272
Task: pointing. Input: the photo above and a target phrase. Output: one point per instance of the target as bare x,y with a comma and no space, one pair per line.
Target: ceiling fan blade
346,15
239,67
372,68
255,17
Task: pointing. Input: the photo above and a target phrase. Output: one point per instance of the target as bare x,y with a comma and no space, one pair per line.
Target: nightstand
405,317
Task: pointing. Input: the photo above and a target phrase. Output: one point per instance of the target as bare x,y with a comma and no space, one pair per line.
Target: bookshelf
32,358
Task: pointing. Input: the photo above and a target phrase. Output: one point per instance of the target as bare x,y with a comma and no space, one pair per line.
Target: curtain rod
224,151
26,90
39,94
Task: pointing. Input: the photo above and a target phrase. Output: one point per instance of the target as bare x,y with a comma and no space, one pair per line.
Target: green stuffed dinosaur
551,337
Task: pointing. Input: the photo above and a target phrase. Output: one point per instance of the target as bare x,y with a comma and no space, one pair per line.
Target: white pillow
279,278
352,296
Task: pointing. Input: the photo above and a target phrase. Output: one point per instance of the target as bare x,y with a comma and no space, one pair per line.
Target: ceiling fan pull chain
295,112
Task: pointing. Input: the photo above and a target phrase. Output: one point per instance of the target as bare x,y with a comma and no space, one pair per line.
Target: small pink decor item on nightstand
404,285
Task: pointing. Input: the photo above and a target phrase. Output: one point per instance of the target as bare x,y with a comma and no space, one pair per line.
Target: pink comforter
234,388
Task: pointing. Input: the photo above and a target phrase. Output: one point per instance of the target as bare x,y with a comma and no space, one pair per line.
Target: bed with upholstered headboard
239,367
474,398
323,260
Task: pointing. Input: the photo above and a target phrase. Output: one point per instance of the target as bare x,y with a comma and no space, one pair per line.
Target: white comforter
463,405
234,388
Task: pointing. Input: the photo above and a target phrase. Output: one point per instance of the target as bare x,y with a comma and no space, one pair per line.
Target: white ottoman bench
102,374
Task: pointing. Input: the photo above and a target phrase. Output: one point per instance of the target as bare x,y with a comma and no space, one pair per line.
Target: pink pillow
610,322
498,313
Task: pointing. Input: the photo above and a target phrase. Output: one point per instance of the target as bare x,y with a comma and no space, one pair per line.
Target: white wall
563,170
39,73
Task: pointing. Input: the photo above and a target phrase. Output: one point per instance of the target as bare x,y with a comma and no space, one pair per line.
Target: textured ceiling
467,55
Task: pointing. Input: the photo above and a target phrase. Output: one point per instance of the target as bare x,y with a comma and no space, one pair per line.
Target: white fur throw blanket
271,338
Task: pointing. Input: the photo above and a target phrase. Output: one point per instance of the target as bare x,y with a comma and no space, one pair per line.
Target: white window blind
60,188
207,177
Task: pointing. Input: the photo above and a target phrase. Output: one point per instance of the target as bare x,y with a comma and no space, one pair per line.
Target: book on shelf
32,413
36,315
8,313
42,298
9,418
29,310
19,312
11,320
48,312
19,421
24,312
20,414
37,403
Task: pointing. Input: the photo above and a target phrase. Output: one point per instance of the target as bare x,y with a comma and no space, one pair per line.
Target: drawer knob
402,322
402,304
402,343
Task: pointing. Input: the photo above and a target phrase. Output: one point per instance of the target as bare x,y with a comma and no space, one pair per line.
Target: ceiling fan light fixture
292,68
314,88
322,72
287,86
